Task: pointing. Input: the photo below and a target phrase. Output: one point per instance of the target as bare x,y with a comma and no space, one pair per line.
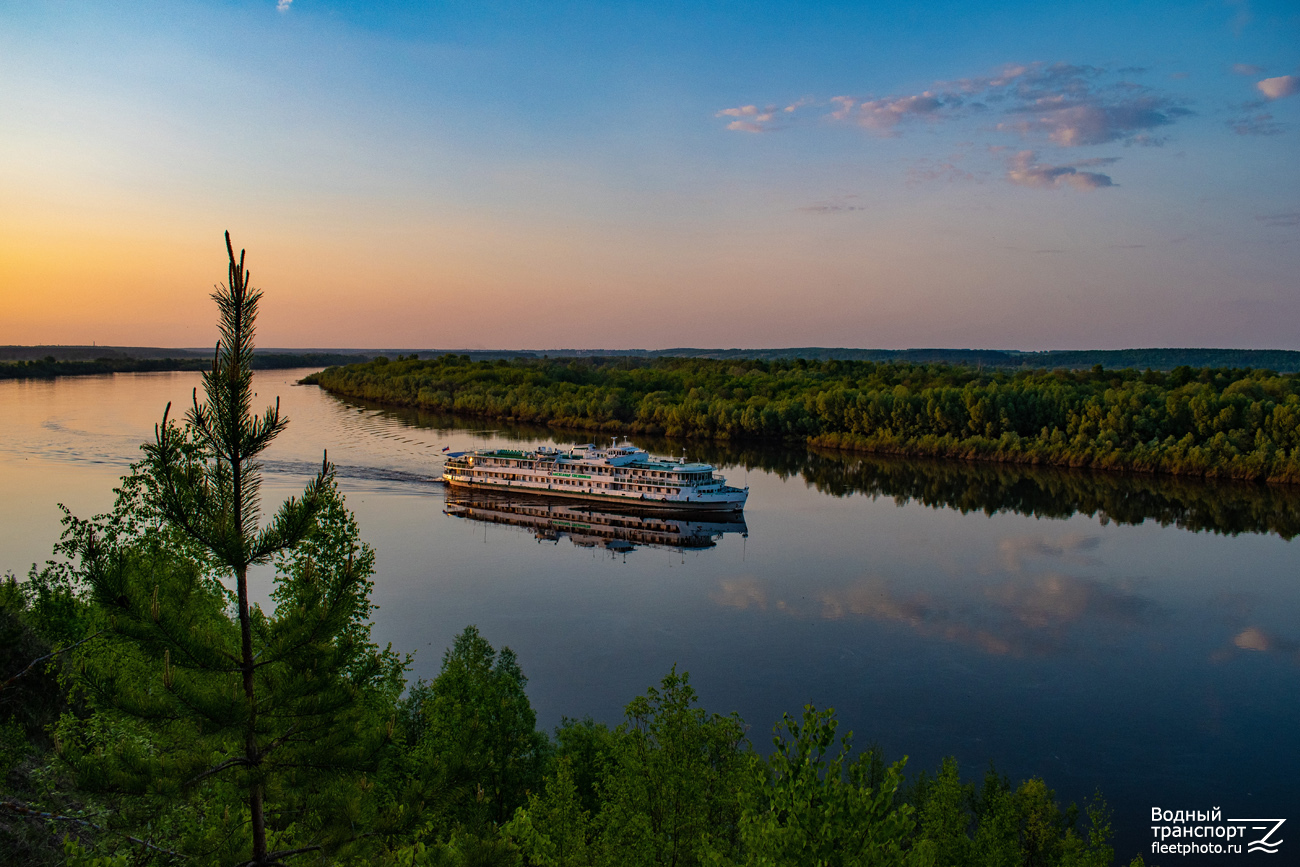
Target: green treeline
50,367
1222,423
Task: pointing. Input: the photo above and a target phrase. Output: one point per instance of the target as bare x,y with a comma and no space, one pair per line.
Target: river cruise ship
620,473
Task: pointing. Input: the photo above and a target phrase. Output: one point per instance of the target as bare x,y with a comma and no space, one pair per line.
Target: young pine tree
278,715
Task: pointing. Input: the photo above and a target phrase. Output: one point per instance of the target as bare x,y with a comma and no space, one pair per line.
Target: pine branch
216,769
275,744
29,812
273,858
241,760
35,662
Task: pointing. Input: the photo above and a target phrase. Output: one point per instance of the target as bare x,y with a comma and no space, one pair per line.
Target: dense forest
1214,422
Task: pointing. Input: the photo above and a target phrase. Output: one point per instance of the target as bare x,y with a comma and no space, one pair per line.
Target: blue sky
613,175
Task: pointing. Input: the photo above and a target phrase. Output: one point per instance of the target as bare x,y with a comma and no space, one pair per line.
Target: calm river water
1128,635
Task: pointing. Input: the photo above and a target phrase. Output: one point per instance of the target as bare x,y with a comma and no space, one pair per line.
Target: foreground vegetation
1239,424
105,756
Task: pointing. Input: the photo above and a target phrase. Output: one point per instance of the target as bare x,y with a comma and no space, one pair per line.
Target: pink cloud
1050,104
844,106
885,114
1070,121
1276,88
749,118
1256,124
1024,170
926,170
1068,105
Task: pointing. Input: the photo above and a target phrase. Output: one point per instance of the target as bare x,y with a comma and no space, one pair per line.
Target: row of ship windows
668,489
694,478
659,474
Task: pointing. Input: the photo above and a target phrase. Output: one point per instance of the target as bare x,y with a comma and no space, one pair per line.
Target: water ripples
104,421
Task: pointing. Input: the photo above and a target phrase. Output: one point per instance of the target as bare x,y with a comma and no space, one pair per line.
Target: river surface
1128,635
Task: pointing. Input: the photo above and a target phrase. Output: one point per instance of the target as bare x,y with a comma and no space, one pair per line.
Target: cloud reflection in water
1016,611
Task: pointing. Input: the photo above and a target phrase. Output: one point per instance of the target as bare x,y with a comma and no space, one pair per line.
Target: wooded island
1213,422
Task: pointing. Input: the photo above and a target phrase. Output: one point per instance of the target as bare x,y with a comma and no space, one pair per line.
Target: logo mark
1263,844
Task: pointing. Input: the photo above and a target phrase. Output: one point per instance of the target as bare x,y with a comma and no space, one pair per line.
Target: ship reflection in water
589,527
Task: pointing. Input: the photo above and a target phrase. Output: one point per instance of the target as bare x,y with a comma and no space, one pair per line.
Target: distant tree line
50,367
1212,422
1071,359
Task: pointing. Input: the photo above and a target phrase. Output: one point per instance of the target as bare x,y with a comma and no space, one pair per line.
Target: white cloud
283,5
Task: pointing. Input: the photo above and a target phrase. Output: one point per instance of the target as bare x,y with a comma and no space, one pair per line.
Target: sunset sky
1019,175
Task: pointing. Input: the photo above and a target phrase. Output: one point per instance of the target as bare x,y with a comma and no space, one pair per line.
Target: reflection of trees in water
490,428
967,486
1126,499
1221,507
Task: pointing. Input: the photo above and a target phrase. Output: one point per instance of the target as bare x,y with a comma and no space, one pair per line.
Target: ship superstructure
620,473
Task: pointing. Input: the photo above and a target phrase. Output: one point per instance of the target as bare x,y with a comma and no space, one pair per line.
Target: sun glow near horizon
829,176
